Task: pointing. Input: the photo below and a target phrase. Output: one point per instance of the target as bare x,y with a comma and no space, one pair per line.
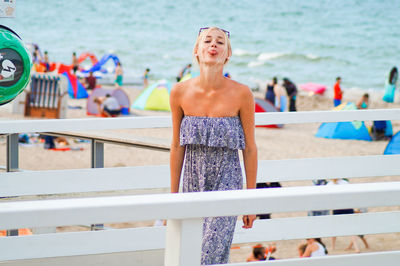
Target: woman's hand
248,221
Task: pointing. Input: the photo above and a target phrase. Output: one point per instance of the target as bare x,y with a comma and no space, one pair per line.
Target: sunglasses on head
225,31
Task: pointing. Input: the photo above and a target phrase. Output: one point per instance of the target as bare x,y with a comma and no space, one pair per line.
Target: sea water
306,41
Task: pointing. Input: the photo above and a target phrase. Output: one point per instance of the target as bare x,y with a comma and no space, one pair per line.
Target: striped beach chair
47,97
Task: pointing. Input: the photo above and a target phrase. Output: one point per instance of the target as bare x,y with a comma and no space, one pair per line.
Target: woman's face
212,48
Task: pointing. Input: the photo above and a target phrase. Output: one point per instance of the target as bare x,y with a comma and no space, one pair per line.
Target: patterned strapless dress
212,164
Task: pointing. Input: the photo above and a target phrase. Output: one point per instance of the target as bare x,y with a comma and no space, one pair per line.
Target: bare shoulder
241,89
180,88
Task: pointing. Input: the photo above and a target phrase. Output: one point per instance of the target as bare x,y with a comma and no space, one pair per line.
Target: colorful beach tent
344,130
154,97
313,88
118,94
75,88
189,76
99,65
262,106
393,146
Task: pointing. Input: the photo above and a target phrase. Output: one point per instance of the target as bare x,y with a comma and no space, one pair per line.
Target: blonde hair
202,36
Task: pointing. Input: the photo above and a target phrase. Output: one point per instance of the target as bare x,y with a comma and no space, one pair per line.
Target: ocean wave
270,56
255,63
242,52
297,56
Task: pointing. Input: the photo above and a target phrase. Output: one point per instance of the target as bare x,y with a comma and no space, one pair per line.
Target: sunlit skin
213,95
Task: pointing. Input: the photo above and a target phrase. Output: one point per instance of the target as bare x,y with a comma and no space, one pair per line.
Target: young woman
315,248
213,117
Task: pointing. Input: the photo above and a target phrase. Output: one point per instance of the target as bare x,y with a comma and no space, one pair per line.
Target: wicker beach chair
47,97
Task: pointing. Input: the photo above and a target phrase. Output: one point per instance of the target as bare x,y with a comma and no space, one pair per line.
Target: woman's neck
211,77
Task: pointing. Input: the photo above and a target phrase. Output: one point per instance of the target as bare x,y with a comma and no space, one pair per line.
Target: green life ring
15,65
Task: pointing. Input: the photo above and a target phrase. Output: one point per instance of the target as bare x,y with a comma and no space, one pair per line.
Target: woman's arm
177,152
250,152
246,113
310,249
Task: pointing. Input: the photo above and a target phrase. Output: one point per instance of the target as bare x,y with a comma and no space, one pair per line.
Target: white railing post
12,153
183,242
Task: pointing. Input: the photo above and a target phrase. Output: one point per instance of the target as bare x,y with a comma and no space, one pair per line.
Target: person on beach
270,94
363,102
75,63
119,73
46,61
213,118
337,92
186,70
342,181
315,248
266,185
291,91
90,81
261,253
108,106
146,78
390,85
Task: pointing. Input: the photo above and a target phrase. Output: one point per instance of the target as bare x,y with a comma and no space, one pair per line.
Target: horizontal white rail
318,226
153,177
45,213
152,238
73,125
390,258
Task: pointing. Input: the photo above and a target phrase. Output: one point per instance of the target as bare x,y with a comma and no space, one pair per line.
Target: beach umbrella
155,97
344,130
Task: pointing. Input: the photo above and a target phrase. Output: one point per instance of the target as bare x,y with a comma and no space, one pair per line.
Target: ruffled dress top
212,164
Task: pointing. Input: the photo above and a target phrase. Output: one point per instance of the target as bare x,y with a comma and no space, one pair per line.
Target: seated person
315,248
108,106
90,81
378,130
261,253
258,253
363,102
301,249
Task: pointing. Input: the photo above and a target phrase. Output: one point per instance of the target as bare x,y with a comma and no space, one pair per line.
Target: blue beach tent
393,146
344,130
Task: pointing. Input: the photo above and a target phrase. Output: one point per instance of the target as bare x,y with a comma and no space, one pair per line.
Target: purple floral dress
212,164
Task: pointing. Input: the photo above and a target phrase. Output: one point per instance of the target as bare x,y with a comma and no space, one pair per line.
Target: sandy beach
292,141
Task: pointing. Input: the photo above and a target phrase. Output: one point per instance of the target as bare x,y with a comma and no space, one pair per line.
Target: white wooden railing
182,239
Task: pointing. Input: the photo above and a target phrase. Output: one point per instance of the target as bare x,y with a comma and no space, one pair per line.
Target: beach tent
75,88
262,106
118,94
189,76
344,130
154,97
91,56
99,65
393,146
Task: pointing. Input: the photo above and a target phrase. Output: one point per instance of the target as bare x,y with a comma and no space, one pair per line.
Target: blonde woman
213,118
